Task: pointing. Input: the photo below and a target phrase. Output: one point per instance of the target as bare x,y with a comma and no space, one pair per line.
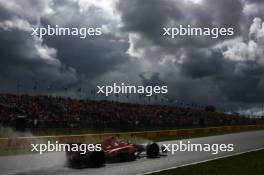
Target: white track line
203,161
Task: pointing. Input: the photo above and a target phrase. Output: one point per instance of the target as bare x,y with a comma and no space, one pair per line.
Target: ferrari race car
113,150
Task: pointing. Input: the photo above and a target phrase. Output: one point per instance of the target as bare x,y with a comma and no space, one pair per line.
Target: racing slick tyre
95,159
152,150
90,159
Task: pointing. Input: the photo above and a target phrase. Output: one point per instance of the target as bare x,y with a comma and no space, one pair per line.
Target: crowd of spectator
59,112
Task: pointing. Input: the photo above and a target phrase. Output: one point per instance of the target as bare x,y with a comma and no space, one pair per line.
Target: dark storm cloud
225,12
4,14
93,56
200,65
24,58
237,82
151,79
68,61
27,68
254,8
257,1
149,17
90,57
219,71
201,70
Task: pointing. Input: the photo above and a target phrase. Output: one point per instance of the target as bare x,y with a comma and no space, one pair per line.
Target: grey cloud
196,69
200,65
151,79
148,19
91,58
76,61
201,71
15,65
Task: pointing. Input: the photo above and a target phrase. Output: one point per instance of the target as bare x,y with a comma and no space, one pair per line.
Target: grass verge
244,164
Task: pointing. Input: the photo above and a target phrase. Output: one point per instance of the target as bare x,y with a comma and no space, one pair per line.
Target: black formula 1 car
113,150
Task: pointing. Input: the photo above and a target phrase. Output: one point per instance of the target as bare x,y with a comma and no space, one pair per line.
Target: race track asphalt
54,163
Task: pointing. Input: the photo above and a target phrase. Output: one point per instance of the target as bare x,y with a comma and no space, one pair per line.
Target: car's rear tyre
152,150
95,159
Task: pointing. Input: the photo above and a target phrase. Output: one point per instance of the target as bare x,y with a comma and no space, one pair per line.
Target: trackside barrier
24,143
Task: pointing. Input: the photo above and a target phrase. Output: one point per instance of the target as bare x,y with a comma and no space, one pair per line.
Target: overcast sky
225,72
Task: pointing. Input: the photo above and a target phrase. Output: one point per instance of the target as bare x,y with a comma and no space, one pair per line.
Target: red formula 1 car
113,150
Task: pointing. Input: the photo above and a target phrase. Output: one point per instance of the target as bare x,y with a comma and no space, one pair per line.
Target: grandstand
60,112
